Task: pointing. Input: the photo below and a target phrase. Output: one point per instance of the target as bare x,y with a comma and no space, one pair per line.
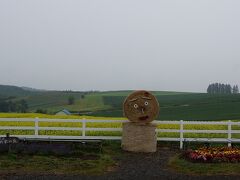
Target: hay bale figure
139,135
141,107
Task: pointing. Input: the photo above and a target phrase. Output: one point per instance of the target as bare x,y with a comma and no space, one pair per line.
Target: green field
173,105
186,106
96,103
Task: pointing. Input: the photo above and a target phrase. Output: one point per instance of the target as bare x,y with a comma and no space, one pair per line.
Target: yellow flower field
101,125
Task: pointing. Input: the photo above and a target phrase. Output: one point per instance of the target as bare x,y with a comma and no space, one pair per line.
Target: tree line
219,88
13,106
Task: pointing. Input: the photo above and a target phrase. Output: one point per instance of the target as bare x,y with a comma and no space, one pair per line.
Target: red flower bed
213,154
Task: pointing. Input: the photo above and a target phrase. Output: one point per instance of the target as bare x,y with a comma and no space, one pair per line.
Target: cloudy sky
177,45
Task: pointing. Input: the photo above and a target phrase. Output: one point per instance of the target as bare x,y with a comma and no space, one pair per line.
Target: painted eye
135,106
146,103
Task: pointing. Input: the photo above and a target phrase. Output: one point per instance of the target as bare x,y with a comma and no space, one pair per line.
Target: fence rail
83,129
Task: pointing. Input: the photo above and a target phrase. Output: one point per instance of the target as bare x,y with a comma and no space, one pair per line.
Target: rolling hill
173,105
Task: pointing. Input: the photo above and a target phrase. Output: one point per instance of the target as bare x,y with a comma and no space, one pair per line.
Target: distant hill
15,91
32,89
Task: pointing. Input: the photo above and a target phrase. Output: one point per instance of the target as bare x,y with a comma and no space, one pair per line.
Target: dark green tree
71,100
12,106
4,106
235,89
219,88
23,106
41,111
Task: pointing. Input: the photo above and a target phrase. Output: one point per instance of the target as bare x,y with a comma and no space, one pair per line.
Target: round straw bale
141,106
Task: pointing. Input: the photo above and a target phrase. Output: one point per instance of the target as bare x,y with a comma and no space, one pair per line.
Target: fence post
181,134
84,128
36,126
229,133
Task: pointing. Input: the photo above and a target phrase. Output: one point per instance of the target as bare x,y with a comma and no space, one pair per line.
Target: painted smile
143,118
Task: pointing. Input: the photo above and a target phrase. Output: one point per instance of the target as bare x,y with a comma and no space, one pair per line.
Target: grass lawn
94,162
86,162
183,166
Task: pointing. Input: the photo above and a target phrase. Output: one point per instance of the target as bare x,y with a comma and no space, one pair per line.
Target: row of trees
71,99
16,106
7,105
235,89
218,88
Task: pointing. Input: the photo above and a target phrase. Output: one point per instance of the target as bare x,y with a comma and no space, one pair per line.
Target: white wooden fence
83,129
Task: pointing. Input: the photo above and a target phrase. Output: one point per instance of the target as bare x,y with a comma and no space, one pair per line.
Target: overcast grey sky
177,45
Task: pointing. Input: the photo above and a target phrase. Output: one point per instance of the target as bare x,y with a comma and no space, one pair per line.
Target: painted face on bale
141,106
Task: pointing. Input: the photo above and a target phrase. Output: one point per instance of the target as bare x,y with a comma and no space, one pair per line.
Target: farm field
173,105
96,103
192,106
102,125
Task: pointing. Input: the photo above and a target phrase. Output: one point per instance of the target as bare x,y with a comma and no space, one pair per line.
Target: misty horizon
94,90
119,45
41,89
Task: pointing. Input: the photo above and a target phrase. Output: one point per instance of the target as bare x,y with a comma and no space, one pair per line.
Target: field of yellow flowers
100,125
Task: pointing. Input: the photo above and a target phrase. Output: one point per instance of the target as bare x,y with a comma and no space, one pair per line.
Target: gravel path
133,166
